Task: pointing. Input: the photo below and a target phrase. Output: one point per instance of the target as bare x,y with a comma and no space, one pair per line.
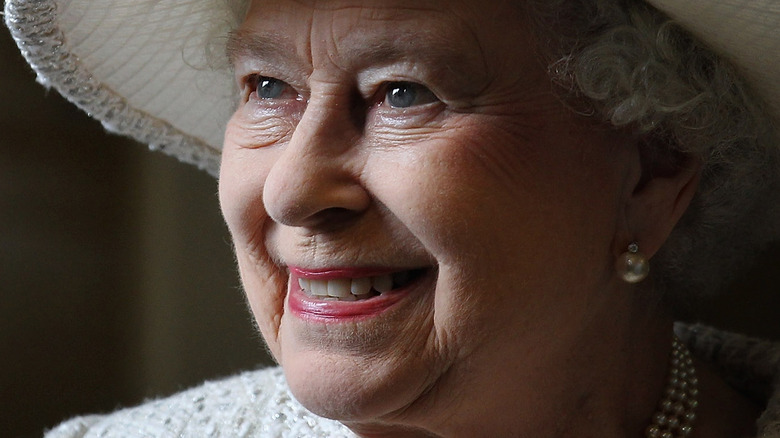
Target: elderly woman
445,212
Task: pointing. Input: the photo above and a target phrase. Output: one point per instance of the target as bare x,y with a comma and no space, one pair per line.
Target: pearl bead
632,267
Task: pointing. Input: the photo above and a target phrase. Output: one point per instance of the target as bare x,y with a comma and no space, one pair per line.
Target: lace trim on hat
33,25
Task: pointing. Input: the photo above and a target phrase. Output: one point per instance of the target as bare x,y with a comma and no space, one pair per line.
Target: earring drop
632,266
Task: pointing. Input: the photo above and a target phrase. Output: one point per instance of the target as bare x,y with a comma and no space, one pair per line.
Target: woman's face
415,148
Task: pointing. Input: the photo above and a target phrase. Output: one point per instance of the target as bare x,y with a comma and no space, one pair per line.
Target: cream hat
139,66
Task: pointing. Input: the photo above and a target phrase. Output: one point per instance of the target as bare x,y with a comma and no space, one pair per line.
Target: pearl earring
632,266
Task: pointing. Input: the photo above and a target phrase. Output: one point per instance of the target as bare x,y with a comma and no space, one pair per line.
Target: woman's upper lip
330,273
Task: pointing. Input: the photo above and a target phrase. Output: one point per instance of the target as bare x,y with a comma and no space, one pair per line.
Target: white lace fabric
253,404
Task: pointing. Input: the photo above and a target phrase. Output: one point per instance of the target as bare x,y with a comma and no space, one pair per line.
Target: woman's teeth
352,289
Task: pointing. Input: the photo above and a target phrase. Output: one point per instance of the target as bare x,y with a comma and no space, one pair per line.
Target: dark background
117,281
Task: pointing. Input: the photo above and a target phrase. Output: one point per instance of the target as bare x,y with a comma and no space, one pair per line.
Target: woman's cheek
264,286
248,154
247,158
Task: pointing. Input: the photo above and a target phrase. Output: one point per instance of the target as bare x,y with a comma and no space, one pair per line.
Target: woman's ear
661,193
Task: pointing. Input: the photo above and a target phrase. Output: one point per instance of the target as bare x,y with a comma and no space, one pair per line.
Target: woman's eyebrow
246,44
367,48
358,48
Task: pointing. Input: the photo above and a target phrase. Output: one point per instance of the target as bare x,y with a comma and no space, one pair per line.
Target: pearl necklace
677,409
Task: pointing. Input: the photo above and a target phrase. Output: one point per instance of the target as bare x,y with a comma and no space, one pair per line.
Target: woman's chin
337,388
357,367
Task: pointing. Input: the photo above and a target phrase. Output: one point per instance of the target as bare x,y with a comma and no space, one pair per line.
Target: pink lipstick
343,294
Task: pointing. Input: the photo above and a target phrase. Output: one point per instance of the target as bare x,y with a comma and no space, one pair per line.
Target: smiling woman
341,198
443,212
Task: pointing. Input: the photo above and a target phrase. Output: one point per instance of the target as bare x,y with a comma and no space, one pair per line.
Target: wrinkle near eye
258,133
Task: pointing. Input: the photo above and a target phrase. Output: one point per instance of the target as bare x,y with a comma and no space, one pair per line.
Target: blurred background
117,281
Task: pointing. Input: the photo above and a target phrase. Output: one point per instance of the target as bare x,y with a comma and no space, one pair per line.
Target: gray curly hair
624,62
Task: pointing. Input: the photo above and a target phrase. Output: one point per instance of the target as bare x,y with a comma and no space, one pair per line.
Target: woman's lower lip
314,308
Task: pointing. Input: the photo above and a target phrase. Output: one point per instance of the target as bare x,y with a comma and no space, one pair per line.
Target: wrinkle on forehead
332,5
350,32
244,43
392,33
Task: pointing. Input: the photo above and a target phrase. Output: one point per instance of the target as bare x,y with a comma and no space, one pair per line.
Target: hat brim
142,67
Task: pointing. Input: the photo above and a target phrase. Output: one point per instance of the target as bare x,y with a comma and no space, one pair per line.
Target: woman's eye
271,88
408,94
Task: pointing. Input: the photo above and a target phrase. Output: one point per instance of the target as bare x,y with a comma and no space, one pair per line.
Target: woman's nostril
333,219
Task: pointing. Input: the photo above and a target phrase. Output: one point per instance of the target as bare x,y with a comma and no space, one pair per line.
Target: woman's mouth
346,294
358,288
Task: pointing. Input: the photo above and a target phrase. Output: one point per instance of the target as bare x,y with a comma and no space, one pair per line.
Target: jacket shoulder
251,404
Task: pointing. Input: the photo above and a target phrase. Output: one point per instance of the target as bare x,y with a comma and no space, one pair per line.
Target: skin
515,208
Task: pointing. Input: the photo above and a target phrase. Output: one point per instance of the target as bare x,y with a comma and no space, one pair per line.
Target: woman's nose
315,180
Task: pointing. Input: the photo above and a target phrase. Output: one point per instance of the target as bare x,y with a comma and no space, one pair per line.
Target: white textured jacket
259,404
